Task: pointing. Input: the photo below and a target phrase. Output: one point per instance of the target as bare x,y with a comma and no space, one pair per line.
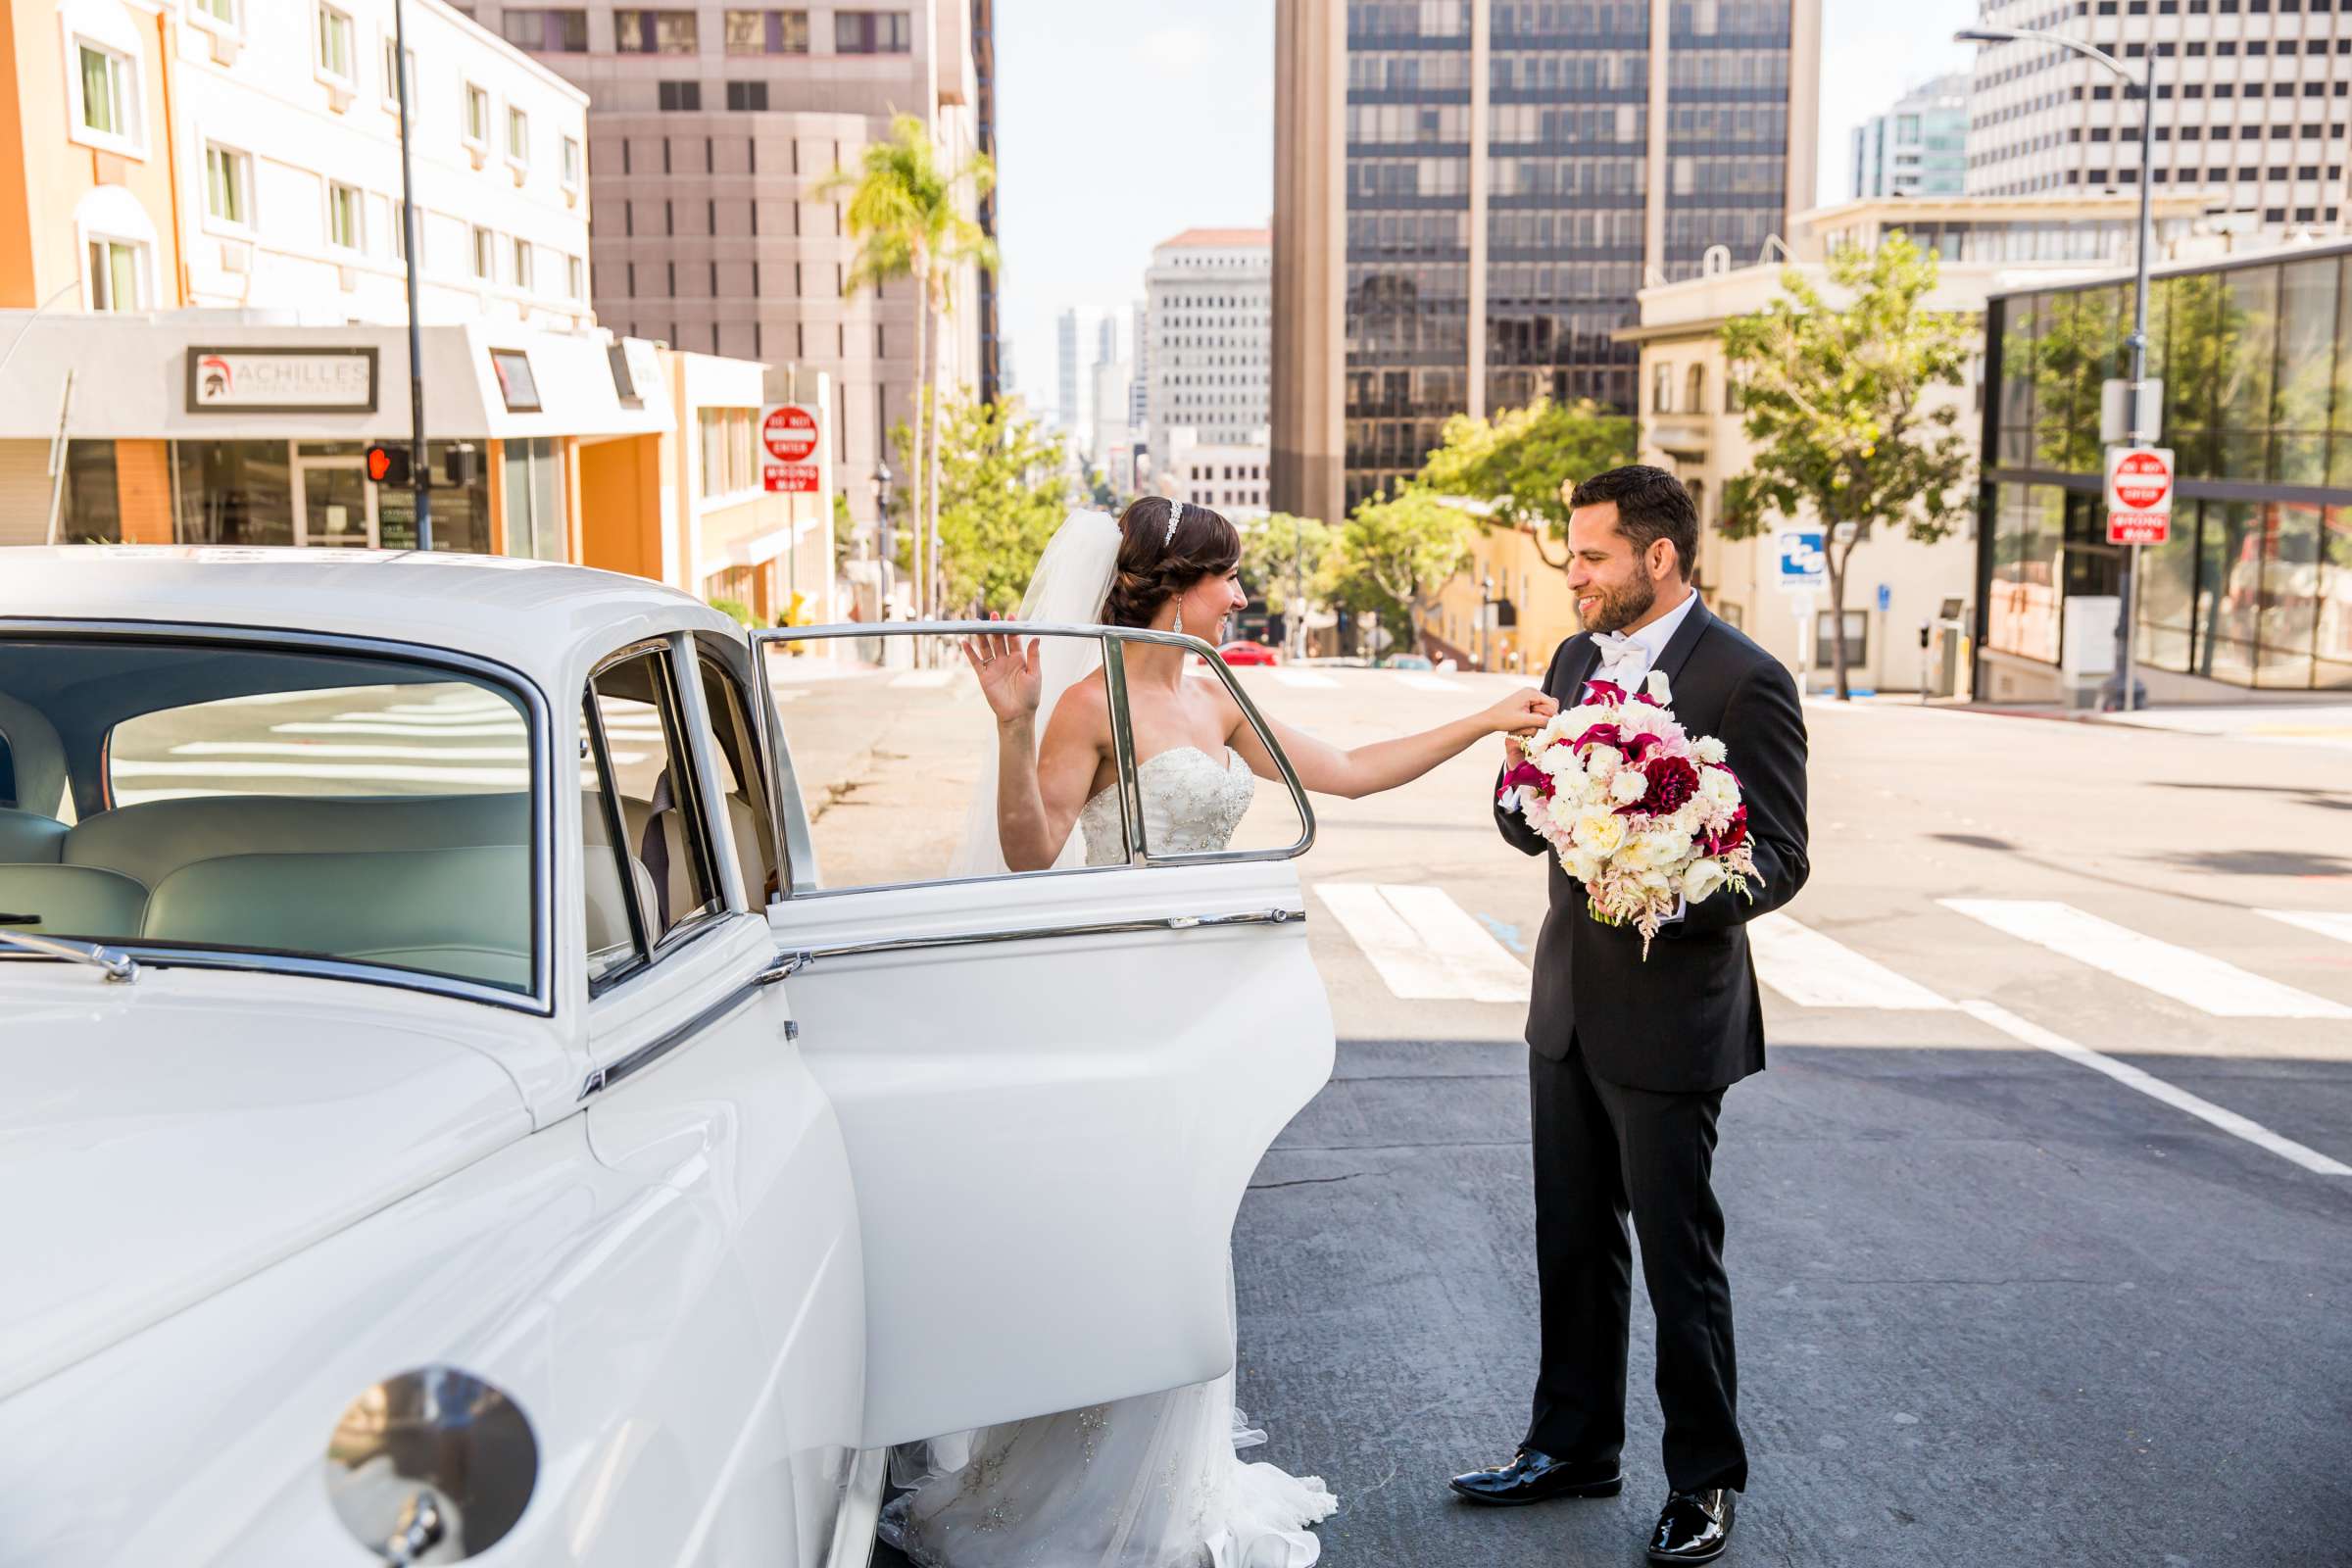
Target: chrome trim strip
806,957
117,964
1122,753
164,957
662,1044
541,1001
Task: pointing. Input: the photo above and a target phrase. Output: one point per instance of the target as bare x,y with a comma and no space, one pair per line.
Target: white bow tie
1613,644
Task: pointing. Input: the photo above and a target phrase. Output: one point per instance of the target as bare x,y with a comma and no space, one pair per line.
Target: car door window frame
690,775
721,655
1130,790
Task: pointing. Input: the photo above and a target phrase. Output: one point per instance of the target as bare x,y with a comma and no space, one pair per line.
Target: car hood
162,1140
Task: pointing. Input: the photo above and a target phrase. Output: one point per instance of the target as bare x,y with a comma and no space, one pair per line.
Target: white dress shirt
1628,657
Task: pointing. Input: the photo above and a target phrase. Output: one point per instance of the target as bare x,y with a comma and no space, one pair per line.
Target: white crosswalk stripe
1303,678
1426,947
1814,971
2335,923
2205,983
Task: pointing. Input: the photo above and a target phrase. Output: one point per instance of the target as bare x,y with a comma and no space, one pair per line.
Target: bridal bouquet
1641,812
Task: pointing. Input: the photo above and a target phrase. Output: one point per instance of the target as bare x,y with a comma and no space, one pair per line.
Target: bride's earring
1179,617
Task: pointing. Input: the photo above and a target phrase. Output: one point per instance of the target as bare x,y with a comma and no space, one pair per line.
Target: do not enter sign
2139,495
789,432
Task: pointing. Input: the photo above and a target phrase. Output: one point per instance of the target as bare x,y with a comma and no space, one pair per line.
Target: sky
1120,122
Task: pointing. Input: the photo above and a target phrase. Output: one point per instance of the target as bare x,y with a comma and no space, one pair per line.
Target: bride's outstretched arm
1040,789
1383,764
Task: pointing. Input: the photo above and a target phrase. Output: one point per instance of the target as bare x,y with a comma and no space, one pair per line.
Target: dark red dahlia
1672,783
1735,834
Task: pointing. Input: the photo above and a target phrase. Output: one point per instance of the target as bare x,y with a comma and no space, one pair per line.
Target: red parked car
1248,654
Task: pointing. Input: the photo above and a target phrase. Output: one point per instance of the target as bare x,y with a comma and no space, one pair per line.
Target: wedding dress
1151,1482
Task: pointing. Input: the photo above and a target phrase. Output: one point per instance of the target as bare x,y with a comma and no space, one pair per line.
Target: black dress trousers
1602,1151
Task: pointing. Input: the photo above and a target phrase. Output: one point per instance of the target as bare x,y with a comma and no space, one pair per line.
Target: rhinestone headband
1175,517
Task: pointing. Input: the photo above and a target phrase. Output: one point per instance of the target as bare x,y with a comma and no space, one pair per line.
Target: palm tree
908,216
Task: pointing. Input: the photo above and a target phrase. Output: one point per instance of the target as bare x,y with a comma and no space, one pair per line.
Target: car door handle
783,966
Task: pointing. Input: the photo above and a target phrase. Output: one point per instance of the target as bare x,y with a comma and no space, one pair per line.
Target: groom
1628,1059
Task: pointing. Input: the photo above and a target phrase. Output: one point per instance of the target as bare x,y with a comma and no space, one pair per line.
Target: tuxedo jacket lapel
1577,671
1677,652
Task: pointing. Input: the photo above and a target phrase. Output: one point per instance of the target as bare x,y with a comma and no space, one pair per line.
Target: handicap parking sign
1803,566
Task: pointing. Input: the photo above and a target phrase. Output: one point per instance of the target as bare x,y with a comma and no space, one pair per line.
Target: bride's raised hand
1009,674
1521,713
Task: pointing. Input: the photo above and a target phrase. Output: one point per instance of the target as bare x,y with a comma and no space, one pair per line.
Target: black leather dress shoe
1695,1526
1532,1476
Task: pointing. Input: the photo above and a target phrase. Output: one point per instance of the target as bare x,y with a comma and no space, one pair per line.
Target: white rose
1601,763
1628,787
1703,878
1686,821
1601,832
1657,849
1718,788
1659,692
1709,750
1582,865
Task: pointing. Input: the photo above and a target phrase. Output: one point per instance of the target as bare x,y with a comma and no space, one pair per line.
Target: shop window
107,95
228,186
534,511
118,278
344,229
90,511
871,32
2287,611
461,511
234,493
2029,532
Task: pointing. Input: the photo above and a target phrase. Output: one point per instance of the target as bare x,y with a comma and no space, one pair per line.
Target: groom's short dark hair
1651,504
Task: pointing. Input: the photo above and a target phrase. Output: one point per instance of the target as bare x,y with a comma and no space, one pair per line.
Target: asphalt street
2040,1222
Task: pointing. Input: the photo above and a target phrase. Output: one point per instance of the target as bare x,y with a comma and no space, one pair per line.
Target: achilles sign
281,380
2139,495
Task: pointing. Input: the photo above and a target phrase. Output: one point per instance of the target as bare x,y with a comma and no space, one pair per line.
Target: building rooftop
1203,238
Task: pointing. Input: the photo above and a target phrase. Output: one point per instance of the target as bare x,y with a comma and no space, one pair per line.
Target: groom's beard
1621,607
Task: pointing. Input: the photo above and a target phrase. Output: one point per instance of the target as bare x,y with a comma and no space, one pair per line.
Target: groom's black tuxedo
1627,1065
1688,1019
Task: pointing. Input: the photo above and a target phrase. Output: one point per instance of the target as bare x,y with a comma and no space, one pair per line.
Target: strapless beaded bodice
1191,806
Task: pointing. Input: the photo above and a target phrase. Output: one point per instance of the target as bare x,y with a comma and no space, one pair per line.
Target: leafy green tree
845,528
1003,490
1281,555
1524,461
1394,554
907,215
1839,402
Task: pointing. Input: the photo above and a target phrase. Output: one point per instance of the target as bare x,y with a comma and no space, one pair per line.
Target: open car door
1053,1085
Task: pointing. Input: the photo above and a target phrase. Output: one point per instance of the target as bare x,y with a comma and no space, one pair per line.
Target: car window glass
666,870
1208,799
742,785
892,745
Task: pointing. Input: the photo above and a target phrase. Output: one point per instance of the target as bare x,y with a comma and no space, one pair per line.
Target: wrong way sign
789,434
2139,495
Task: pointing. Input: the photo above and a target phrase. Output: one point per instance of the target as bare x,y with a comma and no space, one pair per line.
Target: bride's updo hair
1150,574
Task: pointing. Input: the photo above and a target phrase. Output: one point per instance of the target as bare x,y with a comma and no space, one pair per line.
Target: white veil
1071,580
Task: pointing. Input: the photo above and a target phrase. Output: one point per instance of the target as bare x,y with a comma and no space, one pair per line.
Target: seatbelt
653,851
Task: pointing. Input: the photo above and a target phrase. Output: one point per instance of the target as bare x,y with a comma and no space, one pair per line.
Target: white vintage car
448,1109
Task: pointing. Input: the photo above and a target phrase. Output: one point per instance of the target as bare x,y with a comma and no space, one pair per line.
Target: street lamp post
419,471
882,532
2137,432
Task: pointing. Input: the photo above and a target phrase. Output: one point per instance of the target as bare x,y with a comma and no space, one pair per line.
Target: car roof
538,617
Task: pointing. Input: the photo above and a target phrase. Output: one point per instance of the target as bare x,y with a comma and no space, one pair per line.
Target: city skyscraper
2250,105
1469,193
710,131
1919,147
1207,297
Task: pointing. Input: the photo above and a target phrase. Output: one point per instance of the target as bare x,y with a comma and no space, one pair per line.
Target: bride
1152,1482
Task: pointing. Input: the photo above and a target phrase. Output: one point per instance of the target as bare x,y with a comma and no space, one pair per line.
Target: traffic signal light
388,465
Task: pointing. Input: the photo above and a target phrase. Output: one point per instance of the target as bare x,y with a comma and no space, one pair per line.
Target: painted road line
923,677
1425,947
2326,922
2184,974
1480,966
1303,678
1421,683
1814,971
2229,1121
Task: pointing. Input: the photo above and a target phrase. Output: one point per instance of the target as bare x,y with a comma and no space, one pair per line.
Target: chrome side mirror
431,1466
